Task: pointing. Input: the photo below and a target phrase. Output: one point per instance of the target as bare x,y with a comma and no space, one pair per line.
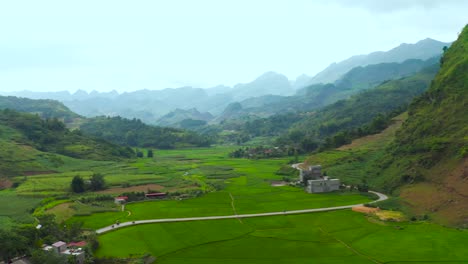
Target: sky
104,45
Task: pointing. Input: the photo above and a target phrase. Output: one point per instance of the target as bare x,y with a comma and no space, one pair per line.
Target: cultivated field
332,237
246,188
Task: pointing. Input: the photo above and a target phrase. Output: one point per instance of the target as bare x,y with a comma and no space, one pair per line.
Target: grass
16,208
332,237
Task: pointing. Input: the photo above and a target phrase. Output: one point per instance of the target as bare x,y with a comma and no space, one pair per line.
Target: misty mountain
174,118
268,83
319,95
422,50
152,105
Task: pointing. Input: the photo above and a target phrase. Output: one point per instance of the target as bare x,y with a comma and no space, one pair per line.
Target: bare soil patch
5,183
366,210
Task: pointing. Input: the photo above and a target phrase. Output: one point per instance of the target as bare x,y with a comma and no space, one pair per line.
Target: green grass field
16,208
332,237
247,188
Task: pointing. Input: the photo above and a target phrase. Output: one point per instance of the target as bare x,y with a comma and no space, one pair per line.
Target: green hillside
367,112
430,153
321,95
137,134
28,143
44,108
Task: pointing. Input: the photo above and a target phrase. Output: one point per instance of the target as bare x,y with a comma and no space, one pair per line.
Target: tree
39,256
97,182
363,187
77,184
150,153
11,245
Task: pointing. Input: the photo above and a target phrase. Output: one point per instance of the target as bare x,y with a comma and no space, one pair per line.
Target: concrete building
322,185
60,247
316,182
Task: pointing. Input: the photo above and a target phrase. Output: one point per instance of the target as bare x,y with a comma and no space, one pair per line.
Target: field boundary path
236,216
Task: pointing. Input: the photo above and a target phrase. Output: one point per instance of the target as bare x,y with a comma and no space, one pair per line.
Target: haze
126,46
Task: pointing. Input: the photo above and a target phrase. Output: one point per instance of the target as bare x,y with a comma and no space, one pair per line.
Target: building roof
59,244
121,197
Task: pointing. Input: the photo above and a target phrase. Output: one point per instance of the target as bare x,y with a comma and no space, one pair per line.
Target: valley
364,162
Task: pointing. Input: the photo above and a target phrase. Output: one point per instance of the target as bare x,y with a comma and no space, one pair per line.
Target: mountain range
268,94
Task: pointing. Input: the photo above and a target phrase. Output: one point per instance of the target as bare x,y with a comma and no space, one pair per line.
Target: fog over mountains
261,97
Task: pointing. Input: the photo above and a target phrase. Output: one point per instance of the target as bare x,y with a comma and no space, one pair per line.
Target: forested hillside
24,135
430,153
44,108
320,95
367,112
422,50
135,133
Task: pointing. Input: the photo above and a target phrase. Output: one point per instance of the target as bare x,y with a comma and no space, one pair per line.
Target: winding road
236,216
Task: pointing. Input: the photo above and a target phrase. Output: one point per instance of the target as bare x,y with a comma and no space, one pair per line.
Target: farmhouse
316,182
60,247
120,199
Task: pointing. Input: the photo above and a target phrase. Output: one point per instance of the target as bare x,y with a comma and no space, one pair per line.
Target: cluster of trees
95,183
140,154
261,152
133,132
26,240
51,135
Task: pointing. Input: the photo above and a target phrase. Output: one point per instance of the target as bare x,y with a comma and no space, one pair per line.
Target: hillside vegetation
137,134
365,113
44,108
430,152
422,50
24,136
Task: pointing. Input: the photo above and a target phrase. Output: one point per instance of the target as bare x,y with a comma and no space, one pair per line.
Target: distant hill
174,118
23,136
364,108
429,156
44,108
151,105
133,132
422,50
360,78
320,95
269,83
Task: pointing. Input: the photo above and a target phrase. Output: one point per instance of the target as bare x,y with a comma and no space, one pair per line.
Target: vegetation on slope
321,95
431,150
133,132
22,130
44,108
365,113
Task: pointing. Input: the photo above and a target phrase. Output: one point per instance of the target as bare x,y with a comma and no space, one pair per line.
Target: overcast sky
130,45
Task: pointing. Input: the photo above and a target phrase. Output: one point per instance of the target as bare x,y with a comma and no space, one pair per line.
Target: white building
60,247
323,185
316,182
